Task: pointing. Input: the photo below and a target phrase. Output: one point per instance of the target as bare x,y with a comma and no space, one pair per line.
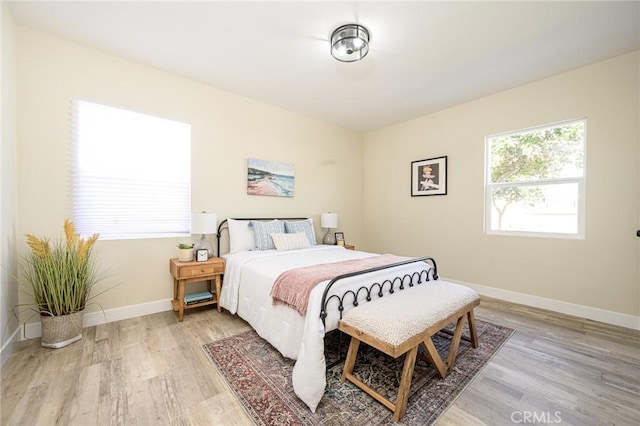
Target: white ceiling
424,56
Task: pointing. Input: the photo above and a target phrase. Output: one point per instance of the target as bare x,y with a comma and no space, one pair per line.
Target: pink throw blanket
294,286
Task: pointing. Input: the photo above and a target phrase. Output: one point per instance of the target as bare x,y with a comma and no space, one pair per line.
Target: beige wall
226,129
8,182
600,271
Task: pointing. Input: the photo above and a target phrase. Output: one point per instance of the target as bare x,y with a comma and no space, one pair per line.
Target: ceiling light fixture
350,43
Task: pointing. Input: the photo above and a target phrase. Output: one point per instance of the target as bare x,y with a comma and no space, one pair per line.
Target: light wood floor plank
222,406
86,399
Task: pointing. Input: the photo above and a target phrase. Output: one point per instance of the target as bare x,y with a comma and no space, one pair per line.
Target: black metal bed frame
407,280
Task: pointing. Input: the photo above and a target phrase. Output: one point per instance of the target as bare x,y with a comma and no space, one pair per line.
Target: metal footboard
397,283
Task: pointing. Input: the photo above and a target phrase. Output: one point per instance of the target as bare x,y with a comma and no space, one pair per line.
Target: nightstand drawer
195,271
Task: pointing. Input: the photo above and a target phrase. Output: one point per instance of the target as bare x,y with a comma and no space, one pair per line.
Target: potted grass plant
58,275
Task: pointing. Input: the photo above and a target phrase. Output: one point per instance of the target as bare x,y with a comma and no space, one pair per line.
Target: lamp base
329,238
203,244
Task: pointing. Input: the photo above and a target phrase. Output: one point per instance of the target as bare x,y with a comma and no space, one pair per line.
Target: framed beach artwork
270,178
429,177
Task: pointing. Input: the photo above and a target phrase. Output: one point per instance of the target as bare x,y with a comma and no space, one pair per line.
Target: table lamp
204,223
329,220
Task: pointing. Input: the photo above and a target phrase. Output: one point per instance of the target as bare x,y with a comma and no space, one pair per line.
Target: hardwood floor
151,370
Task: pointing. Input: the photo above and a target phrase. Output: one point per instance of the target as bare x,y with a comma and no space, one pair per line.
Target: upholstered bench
399,323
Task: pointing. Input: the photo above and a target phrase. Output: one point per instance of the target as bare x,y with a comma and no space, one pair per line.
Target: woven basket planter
60,331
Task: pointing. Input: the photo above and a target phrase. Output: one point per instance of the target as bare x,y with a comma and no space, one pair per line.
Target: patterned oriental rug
261,379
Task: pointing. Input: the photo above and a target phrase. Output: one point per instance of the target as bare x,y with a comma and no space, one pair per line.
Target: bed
249,279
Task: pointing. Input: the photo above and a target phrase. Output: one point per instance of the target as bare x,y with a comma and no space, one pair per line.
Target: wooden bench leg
436,360
455,342
434,356
352,353
405,384
347,374
473,335
471,320
400,407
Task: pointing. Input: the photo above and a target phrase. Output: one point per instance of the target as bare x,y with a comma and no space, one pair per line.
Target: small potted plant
185,253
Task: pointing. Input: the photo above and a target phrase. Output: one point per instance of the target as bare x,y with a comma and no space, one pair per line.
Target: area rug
261,379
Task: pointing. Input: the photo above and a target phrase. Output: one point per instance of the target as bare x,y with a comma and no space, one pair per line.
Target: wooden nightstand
190,272
349,246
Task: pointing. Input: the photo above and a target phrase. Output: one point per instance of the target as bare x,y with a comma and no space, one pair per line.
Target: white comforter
248,279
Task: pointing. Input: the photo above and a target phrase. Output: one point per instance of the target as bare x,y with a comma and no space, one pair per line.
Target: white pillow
295,241
240,236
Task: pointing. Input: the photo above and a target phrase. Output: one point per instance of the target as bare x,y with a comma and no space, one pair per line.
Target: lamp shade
204,223
329,220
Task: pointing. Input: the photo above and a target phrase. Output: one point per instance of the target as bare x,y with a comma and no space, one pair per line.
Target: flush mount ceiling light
350,43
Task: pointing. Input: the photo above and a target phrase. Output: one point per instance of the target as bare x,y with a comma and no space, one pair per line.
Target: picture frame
270,178
429,177
339,238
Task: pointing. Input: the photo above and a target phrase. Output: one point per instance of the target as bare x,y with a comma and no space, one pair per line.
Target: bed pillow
240,236
290,241
262,233
305,226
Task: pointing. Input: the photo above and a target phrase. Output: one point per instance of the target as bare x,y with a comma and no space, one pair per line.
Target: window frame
580,181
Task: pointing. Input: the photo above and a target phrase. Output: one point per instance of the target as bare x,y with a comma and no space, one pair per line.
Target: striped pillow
290,241
305,226
262,232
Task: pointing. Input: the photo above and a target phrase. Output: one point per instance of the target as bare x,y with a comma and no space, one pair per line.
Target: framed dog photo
429,177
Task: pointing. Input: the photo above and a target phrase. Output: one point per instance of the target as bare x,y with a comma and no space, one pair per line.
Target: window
131,173
535,181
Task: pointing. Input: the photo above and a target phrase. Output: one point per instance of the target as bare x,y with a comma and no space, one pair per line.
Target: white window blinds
131,173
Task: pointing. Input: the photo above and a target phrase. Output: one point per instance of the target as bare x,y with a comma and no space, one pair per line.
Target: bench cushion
396,318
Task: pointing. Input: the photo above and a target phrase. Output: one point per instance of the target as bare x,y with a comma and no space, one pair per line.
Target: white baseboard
33,330
596,314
